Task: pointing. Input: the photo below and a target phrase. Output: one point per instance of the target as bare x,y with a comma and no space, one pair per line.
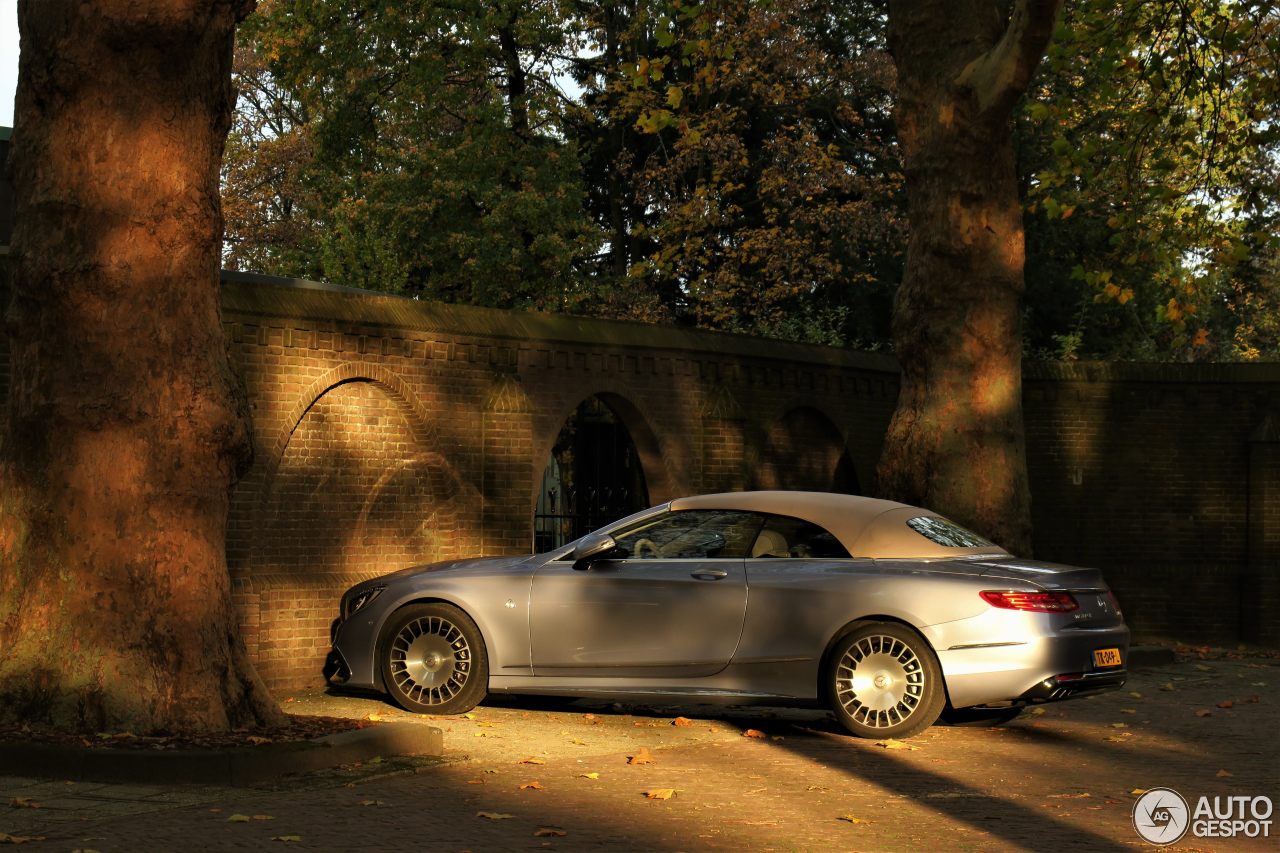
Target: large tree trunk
124,429
955,443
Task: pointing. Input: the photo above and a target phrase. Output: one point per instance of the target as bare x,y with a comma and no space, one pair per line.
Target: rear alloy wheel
885,682
434,660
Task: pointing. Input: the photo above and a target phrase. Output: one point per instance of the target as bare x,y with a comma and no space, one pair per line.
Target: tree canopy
1149,162
734,165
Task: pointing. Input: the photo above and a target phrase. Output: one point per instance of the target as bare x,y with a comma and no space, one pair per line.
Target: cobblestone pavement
537,774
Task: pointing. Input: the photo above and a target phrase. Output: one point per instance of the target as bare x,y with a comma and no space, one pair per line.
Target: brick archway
396,388
804,449
660,482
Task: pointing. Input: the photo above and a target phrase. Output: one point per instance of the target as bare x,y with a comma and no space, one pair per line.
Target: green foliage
732,165
762,190
1149,156
428,157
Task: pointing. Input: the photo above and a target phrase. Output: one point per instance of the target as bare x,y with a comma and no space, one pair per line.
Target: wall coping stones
299,299
252,294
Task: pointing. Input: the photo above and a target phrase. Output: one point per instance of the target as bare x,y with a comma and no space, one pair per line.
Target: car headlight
354,603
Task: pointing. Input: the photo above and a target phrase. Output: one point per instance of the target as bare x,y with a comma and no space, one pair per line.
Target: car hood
471,565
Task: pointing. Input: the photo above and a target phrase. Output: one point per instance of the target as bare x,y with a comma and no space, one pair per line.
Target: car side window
691,534
784,538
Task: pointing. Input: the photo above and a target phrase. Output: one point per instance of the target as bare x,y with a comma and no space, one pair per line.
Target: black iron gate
592,477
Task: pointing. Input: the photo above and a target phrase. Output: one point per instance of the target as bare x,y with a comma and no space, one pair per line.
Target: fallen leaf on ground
890,743
1224,774
263,817
1128,710
239,818
1138,792
660,793
588,775
1135,694
371,802
1120,738
549,832
1226,703
1167,686
532,760
468,716
6,838
854,820
486,725
1119,725
641,757
1069,796
1204,712
374,718
24,803
1033,712
535,785
682,722
293,839
753,733
495,815
1203,668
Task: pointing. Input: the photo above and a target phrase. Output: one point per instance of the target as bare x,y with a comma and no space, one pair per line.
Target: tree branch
1000,76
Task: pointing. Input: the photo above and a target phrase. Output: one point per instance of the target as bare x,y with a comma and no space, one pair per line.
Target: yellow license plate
1106,657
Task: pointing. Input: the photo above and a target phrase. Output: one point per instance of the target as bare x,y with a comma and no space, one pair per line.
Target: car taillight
1035,602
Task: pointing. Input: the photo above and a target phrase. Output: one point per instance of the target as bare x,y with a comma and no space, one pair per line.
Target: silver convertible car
890,614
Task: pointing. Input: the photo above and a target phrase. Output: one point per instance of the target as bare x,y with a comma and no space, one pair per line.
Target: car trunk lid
1098,607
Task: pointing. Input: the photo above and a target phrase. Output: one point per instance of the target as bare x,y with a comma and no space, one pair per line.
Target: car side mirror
596,546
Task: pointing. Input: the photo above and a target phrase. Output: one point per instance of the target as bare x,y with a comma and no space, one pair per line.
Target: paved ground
538,775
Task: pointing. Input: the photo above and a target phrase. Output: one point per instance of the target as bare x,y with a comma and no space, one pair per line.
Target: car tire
898,692
433,660
979,717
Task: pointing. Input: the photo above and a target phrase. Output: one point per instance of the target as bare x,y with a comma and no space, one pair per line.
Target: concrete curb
236,767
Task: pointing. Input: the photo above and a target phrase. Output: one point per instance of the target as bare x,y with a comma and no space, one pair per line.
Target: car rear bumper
1056,687
1047,668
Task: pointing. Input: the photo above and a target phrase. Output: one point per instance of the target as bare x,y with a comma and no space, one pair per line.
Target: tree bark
124,428
955,443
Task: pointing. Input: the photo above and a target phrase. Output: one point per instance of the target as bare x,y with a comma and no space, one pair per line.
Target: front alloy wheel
885,682
434,660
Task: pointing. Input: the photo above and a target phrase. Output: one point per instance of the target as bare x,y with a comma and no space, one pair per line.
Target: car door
671,604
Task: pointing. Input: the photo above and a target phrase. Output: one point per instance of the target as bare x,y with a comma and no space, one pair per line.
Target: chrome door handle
709,574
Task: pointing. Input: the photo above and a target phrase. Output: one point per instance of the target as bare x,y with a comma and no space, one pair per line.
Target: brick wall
389,431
